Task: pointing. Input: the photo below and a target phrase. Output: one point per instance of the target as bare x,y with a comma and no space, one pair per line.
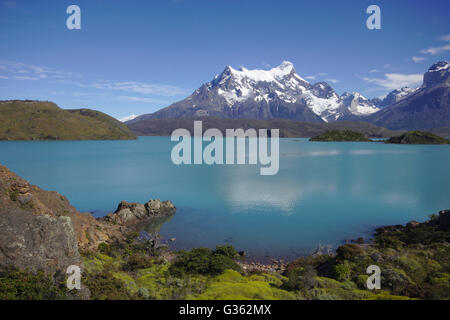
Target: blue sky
134,57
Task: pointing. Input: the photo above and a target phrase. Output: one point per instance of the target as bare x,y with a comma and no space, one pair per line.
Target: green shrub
348,251
136,261
300,278
104,286
226,250
22,285
343,271
202,261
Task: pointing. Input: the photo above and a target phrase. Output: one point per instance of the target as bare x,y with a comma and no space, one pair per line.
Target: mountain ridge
425,108
261,94
281,93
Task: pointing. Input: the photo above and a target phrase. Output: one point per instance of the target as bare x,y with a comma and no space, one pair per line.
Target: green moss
384,295
232,285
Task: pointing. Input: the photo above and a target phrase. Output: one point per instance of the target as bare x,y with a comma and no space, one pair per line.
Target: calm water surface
323,193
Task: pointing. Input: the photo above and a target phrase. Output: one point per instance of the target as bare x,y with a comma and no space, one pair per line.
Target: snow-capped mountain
393,97
357,104
426,107
264,94
128,118
281,93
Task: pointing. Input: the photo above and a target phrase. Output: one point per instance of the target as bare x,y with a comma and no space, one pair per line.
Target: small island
341,135
418,137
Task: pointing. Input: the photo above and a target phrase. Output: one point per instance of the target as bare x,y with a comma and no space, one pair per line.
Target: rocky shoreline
41,231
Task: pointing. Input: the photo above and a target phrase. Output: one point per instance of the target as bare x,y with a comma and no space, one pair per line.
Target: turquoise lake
323,193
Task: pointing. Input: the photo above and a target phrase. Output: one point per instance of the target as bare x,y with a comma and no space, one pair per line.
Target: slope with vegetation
40,226
414,262
288,128
341,135
418,137
37,120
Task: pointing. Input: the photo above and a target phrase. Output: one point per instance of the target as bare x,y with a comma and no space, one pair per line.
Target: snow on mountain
357,104
281,93
128,118
423,108
439,66
437,74
281,83
394,97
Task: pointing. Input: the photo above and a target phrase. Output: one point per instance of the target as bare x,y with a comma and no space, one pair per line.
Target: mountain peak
437,75
439,66
286,66
258,75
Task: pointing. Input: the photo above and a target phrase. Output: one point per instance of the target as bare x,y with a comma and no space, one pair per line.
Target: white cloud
138,87
417,59
445,38
21,71
322,74
396,80
332,80
311,77
141,99
373,71
18,69
436,50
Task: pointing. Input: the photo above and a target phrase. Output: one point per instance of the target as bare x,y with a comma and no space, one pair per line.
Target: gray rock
37,242
132,213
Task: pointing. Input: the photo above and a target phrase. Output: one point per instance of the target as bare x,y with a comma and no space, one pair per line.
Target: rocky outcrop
37,242
40,230
36,228
91,232
440,222
128,214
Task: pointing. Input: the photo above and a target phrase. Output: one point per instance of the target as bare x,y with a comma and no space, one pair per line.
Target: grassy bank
414,261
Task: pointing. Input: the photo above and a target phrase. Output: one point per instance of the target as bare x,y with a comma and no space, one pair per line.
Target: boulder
41,230
37,242
128,214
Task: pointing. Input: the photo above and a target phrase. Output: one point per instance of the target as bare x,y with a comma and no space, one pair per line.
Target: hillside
340,135
427,107
37,120
418,137
288,128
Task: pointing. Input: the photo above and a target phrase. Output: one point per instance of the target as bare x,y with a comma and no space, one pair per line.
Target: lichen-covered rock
40,229
37,242
132,213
